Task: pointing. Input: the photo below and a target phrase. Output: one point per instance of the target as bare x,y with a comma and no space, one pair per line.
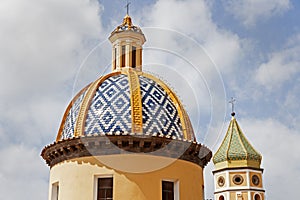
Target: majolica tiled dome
126,102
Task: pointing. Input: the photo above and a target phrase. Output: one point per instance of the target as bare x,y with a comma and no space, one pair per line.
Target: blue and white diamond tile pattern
110,111
68,130
160,116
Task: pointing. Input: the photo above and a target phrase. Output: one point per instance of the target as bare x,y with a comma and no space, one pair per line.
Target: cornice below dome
100,145
126,102
236,150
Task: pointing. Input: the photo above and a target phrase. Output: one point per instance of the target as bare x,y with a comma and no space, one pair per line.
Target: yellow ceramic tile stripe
62,124
135,100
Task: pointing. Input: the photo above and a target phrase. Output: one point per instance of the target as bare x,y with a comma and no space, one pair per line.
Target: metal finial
127,7
232,101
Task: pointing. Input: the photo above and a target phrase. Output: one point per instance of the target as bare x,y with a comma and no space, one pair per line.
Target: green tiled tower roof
236,150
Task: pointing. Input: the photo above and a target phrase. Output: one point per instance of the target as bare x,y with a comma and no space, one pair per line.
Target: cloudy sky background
207,50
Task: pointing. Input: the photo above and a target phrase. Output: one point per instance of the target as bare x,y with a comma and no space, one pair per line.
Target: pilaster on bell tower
127,45
237,174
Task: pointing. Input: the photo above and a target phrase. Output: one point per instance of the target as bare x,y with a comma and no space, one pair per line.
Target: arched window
221,197
123,63
133,57
115,58
257,197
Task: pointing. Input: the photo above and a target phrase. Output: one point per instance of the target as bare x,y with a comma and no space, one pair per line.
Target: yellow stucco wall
133,175
242,196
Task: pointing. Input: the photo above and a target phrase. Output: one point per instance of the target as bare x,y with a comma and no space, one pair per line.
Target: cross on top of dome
127,7
127,23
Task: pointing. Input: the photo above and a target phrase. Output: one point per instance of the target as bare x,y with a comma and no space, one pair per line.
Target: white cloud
194,18
249,12
281,66
291,106
41,41
42,44
22,174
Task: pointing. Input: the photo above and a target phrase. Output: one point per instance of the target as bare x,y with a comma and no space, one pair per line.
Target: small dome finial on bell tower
127,41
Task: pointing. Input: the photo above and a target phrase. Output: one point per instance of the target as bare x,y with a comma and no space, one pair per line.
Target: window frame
96,177
175,187
55,191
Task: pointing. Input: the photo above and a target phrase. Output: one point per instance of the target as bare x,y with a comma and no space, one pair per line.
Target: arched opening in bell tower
221,197
257,197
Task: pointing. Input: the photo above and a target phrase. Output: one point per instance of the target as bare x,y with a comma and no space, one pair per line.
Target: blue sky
212,50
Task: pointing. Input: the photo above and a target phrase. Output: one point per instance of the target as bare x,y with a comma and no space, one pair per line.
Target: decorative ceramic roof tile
72,113
235,147
159,112
109,111
112,104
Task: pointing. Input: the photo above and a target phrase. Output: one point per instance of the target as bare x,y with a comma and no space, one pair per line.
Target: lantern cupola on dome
127,40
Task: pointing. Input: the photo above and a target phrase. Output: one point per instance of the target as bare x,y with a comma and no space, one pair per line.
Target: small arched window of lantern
133,56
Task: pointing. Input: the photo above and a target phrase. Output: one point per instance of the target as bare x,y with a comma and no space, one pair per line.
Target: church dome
126,102
126,111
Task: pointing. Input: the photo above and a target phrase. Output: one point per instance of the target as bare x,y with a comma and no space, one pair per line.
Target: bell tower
237,174
127,41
